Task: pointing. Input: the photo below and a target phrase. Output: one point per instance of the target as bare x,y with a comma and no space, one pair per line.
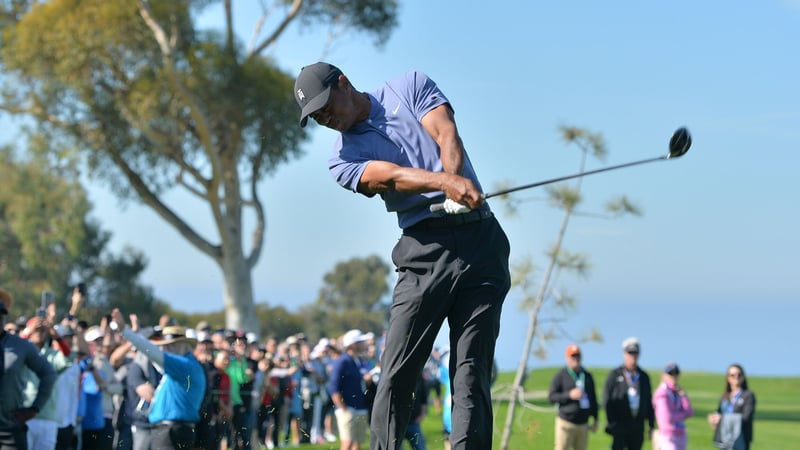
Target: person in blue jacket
175,409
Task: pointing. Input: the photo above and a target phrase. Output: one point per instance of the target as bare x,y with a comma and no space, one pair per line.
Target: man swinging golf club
401,142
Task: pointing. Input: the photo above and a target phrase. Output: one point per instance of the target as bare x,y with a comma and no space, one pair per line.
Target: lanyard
577,376
631,379
734,399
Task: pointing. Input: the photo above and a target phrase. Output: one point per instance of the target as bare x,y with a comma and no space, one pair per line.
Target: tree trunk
240,311
533,322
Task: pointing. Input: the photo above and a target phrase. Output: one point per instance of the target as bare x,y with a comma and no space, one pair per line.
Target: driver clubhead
680,142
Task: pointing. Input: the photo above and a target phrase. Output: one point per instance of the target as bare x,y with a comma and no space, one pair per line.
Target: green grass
777,422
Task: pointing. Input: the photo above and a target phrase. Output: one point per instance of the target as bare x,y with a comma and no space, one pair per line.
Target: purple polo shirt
393,132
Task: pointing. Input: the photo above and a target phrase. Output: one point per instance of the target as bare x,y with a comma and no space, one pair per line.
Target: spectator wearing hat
573,391
242,372
17,357
671,407
346,386
628,402
175,408
100,340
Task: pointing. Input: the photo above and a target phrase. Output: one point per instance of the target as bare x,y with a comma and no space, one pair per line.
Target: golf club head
679,143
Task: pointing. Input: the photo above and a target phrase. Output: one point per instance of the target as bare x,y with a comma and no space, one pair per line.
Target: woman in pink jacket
672,407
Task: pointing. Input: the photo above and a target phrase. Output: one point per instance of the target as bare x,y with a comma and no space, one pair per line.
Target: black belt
169,423
452,220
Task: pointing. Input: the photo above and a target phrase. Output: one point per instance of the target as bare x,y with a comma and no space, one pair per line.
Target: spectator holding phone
43,429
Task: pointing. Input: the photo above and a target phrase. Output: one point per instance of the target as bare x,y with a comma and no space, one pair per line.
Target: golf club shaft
569,177
438,206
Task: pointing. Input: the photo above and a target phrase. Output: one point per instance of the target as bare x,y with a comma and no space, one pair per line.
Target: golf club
678,145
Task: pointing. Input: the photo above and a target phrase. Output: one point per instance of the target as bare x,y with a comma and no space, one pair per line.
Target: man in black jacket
628,401
573,390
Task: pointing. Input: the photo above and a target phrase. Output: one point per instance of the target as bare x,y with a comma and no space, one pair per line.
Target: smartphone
82,288
47,299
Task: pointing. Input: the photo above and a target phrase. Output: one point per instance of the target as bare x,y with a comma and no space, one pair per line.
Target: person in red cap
573,391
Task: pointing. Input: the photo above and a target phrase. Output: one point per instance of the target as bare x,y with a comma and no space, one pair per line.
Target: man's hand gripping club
462,196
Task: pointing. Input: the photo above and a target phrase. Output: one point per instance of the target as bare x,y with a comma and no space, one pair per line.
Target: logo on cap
300,95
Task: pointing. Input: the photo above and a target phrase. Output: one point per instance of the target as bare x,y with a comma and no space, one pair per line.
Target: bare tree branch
269,40
229,36
260,228
158,32
152,200
257,29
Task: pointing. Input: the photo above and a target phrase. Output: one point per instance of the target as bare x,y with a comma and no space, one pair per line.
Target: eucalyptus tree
154,104
49,241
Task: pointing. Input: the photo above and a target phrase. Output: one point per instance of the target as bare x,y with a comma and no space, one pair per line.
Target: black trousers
629,437
170,436
14,438
66,439
459,274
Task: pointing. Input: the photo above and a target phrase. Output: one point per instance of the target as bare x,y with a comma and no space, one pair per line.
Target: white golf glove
452,207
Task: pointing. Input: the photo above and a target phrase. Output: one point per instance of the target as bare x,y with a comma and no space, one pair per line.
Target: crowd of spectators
268,393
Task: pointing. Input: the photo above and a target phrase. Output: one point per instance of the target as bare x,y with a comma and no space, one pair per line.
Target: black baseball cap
313,87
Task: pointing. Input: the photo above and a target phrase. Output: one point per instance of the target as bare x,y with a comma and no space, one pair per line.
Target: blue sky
711,263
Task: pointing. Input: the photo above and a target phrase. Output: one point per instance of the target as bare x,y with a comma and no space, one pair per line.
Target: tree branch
191,189
229,36
151,200
258,233
162,140
293,12
158,32
257,29
201,122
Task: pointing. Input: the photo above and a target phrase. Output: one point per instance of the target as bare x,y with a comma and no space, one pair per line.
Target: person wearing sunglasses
573,390
628,401
733,419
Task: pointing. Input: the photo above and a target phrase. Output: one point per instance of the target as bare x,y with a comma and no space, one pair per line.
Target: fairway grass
777,422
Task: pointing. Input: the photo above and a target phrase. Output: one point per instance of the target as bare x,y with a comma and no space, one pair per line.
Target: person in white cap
347,389
628,400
